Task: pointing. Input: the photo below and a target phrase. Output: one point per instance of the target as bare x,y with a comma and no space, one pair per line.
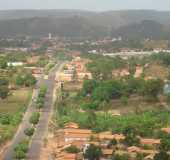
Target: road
42,127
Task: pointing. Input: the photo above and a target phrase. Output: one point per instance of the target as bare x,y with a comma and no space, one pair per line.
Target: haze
94,5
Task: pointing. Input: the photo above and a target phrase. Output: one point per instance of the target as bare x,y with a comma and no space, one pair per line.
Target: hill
75,23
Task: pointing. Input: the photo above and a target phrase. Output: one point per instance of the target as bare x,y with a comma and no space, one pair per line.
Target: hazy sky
85,4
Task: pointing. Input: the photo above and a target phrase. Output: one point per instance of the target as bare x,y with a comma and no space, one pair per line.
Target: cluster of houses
72,135
75,70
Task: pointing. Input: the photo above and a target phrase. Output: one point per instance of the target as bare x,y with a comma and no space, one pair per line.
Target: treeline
113,89
101,67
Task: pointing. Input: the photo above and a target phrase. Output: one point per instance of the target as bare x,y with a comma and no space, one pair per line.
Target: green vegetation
101,67
72,149
93,152
4,91
62,56
25,80
11,110
34,119
29,131
40,99
21,150
48,67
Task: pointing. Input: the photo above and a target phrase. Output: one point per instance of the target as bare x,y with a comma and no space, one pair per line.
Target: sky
93,5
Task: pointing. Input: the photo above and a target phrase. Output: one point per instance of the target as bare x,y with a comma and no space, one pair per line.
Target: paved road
42,127
20,132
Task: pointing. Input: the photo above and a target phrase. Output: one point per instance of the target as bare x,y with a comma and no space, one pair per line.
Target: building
77,134
138,72
15,64
120,73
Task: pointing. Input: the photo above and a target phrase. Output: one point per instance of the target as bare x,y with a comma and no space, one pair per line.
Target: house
107,152
167,130
149,157
77,134
138,72
33,59
149,142
71,125
84,75
120,73
109,136
64,77
15,64
66,156
133,149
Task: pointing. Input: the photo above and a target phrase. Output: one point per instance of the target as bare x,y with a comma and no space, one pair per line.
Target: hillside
75,23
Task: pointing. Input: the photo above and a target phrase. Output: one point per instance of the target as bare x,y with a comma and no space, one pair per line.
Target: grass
14,105
134,105
16,101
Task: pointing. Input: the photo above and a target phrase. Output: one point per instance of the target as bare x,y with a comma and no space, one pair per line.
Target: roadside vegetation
22,148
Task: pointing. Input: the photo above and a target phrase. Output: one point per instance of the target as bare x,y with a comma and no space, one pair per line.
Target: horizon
89,5
83,10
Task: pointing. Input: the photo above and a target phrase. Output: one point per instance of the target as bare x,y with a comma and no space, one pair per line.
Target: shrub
34,119
72,149
29,132
124,100
21,149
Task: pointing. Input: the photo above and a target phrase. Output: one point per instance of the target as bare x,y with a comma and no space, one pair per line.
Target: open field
16,101
157,70
11,111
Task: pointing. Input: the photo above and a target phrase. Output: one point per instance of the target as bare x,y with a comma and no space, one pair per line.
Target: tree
112,143
162,155
91,118
120,157
19,154
19,80
4,91
72,149
75,76
90,106
21,149
124,100
40,102
34,119
3,63
153,88
25,80
29,132
165,143
131,138
29,80
93,152
88,87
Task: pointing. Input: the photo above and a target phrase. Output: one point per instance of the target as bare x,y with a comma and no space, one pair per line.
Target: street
42,127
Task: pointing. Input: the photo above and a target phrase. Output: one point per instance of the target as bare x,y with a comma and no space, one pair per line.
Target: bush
29,132
72,149
124,100
43,91
19,154
40,102
5,119
21,149
34,119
